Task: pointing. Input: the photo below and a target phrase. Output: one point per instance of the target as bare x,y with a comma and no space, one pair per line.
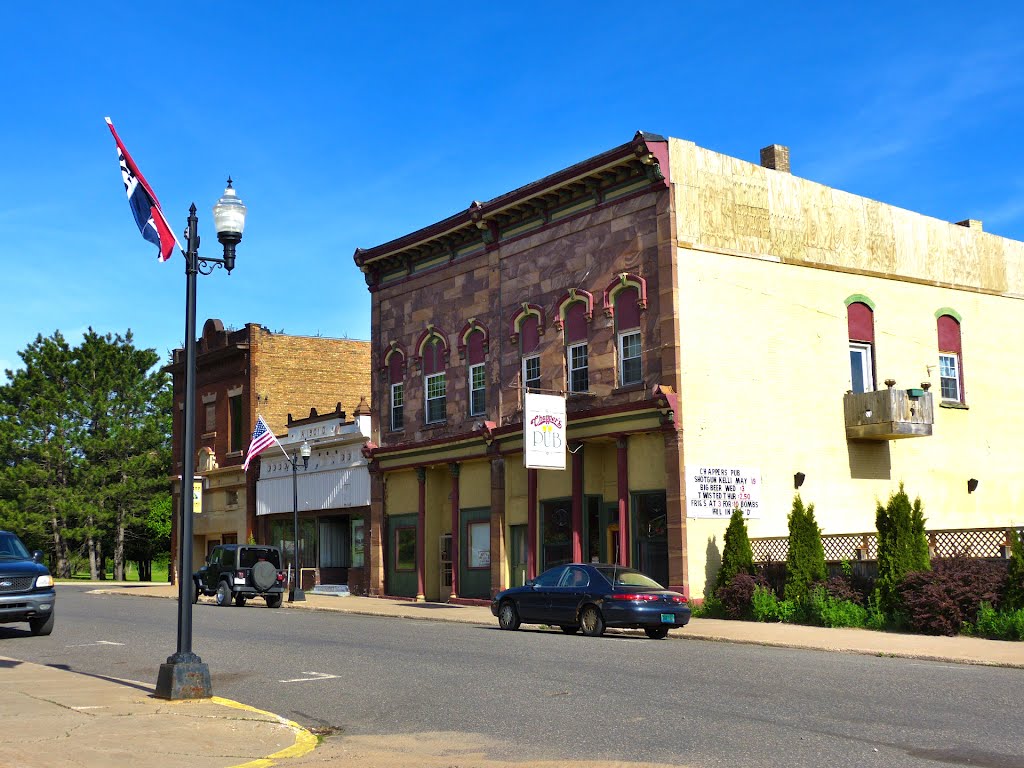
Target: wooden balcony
888,414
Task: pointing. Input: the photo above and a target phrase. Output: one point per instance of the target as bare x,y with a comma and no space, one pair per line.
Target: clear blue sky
345,125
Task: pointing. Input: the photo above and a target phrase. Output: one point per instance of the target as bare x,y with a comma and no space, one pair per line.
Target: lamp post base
184,676
296,595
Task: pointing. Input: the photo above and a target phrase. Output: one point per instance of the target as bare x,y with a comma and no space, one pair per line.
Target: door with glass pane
475,553
517,556
401,549
861,379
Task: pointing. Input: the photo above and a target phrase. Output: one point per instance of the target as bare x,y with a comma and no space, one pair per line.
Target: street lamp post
296,595
184,675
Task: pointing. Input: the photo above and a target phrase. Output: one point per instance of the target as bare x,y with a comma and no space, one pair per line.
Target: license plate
668,618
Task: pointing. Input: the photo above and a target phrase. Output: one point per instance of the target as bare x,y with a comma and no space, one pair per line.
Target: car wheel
223,594
508,616
592,622
656,633
195,593
240,600
570,629
274,601
264,575
41,626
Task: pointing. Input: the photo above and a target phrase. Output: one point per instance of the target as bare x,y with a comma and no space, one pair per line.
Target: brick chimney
776,157
970,224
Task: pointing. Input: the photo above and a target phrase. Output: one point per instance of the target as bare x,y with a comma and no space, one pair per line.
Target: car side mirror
531,583
37,556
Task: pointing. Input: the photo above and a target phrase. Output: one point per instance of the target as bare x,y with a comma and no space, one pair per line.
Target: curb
305,742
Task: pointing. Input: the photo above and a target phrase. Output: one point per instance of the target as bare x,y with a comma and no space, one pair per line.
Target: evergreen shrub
1013,598
805,563
737,554
902,545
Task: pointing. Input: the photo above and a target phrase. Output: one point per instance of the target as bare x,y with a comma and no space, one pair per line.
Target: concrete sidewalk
51,716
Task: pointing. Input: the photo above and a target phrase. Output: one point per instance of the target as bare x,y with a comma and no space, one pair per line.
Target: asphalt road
544,695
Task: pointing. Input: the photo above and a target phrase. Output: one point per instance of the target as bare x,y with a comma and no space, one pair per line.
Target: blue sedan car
592,597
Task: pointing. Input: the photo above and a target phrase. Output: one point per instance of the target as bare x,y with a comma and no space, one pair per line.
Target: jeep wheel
223,594
240,601
274,601
264,575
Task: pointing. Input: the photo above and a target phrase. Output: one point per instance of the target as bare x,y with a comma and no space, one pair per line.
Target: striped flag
145,207
262,438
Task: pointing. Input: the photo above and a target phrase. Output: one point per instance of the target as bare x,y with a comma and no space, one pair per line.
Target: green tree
84,446
40,434
737,554
1014,600
902,544
805,563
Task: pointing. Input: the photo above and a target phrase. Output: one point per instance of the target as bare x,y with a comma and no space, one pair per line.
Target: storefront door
517,556
475,553
651,535
401,549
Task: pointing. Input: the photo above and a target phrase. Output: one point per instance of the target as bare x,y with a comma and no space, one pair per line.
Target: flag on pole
262,438
145,207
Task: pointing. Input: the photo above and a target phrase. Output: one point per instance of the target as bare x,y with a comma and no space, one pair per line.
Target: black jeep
241,571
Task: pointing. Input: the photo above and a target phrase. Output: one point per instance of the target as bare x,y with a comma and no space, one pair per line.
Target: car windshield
250,556
627,577
11,548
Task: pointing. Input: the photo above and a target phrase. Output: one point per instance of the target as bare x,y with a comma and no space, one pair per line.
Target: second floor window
397,407
629,358
237,434
477,390
860,322
531,372
436,399
579,380
949,376
951,363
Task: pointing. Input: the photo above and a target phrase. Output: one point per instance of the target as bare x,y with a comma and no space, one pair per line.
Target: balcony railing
888,414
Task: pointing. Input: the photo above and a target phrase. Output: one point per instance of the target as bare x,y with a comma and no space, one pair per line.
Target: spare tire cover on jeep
264,575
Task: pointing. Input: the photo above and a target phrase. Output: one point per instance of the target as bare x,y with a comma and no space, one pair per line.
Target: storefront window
556,533
357,542
405,549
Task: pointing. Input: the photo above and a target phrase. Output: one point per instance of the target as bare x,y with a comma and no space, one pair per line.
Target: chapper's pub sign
544,432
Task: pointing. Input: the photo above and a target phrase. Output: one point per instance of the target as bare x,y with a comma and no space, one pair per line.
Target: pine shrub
737,554
805,563
1013,598
902,545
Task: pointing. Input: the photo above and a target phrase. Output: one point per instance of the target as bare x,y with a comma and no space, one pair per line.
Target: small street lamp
184,675
295,594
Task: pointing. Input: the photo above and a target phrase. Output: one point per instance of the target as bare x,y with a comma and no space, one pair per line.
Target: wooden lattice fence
987,543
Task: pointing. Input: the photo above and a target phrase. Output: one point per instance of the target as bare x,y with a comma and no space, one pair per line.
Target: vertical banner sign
197,497
544,431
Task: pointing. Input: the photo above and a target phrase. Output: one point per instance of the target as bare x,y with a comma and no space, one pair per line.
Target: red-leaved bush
736,596
938,602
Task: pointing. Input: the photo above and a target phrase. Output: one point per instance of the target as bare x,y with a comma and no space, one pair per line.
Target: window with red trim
434,381
860,321
627,326
576,347
951,370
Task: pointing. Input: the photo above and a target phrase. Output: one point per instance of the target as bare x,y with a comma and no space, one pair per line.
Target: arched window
860,320
627,328
396,378
951,367
576,347
477,374
529,344
434,381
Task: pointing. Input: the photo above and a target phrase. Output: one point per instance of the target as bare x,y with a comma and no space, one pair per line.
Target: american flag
145,207
262,438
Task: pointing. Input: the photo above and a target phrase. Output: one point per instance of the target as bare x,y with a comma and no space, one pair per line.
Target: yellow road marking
305,742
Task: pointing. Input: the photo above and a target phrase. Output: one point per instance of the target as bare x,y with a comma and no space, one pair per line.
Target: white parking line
316,676
98,642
